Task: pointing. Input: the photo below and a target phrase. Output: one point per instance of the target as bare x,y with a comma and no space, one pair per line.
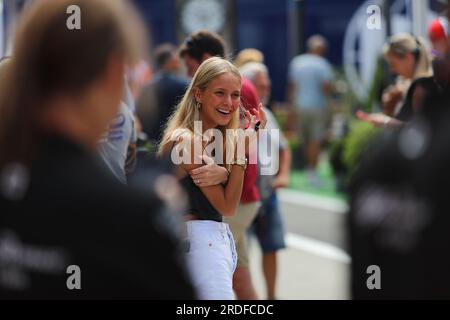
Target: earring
199,105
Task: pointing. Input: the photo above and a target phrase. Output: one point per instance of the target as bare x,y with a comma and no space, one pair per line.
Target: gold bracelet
241,162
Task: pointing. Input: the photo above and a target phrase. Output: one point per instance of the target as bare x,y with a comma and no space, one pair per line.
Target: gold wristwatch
240,162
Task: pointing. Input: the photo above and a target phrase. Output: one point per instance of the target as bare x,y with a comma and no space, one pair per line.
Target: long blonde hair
186,113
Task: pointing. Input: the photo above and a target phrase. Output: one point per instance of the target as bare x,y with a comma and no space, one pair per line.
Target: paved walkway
315,265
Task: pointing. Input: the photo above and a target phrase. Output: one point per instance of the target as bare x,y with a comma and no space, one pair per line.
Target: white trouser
212,258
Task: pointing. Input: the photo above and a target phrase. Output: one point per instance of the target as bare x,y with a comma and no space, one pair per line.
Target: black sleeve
137,256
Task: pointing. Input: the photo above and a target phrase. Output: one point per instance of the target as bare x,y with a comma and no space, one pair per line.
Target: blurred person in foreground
4,62
399,209
310,82
268,224
198,47
77,232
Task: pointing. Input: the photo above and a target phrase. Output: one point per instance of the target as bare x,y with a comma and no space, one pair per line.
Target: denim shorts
211,258
268,225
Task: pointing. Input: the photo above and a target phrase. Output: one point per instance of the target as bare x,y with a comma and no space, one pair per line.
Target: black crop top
199,205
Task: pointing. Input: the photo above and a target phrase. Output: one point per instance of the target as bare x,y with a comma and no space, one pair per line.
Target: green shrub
358,138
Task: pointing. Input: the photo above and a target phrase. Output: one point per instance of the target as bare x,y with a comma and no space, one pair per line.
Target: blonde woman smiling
213,98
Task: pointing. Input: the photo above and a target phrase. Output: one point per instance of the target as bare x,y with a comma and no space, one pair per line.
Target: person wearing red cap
438,32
